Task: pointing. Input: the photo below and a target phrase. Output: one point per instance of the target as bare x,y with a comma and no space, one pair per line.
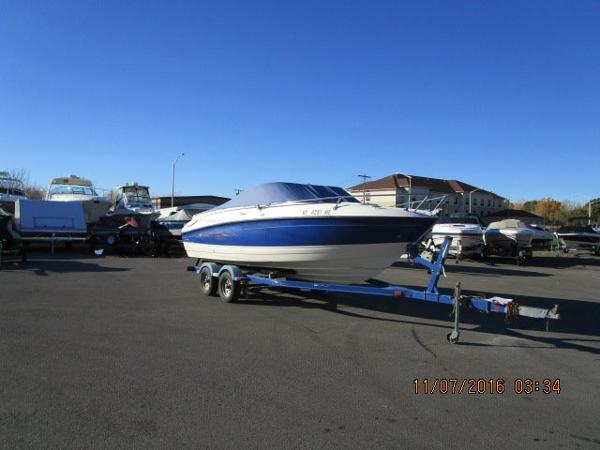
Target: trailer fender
234,271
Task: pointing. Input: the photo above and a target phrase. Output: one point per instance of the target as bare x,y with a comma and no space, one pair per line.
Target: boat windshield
11,191
136,194
271,193
71,189
467,220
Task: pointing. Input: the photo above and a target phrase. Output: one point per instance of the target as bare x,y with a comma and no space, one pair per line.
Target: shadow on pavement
483,270
577,317
44,267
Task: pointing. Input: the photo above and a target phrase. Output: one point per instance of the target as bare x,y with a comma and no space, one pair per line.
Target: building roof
160,202
398,180
514,213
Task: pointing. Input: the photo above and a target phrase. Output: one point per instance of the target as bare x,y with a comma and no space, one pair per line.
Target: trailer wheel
229,290
208,283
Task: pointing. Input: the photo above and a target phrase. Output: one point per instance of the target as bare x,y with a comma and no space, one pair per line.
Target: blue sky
504,95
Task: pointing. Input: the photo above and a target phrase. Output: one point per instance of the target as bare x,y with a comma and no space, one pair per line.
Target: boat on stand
580,236
509,237
465,231
77,189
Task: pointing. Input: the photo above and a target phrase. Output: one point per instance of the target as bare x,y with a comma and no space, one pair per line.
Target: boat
167,227
466,233
580,237
77,189
11,189
542,238
133,198
71,188
508,237
122,232
310,232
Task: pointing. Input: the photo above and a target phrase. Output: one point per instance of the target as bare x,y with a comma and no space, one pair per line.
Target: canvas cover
508,223
269,193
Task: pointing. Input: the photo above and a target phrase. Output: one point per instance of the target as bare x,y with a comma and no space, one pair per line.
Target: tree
547,208
32,190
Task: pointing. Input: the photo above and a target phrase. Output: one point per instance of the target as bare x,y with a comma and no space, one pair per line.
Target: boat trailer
231,282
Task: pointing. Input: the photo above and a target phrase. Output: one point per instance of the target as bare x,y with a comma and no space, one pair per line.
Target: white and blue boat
314,233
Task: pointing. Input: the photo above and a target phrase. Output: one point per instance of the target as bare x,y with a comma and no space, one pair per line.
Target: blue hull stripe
312,231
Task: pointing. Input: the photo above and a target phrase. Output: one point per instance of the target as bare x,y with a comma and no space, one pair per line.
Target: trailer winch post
454,335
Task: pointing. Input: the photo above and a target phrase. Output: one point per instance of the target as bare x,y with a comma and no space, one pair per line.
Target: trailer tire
229,289
208,283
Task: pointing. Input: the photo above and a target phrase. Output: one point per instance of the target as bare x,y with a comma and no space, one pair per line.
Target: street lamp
409,187
590,203
470,201
173,179
364,177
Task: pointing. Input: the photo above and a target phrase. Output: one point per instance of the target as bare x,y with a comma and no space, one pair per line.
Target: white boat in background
77,189
170,221
133,198
466,233
313,233
508,237
11,189
71,189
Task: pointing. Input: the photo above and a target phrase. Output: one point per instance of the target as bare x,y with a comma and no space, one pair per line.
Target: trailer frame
231,282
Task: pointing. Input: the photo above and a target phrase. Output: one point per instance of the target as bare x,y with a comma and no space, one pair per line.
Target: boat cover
508,223
184,213
269,193
179,216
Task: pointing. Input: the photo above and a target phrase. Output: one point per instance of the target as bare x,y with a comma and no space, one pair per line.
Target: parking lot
114,352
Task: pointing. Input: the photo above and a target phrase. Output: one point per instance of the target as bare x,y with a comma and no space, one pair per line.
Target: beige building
399,190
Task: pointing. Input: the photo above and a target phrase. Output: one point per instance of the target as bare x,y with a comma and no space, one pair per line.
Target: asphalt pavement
114,352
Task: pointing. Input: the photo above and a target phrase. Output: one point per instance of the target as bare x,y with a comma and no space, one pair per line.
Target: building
399,190
165,202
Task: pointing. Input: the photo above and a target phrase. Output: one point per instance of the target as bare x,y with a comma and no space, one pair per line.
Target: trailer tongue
231,281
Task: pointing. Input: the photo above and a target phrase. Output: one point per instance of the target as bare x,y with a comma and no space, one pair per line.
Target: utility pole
364,177
173,179
409,187
470,200
590,203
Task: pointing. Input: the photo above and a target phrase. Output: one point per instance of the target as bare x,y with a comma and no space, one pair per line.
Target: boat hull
508,239
463,243
580,240
343,264
327,249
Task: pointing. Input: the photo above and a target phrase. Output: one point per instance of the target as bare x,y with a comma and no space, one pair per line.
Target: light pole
470,200
590,203
409,187
173,179
364,177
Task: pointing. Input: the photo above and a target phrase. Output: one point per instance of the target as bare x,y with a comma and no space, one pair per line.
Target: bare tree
32,190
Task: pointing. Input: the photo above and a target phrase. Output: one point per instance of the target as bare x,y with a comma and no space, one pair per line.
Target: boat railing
434,203
433,206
